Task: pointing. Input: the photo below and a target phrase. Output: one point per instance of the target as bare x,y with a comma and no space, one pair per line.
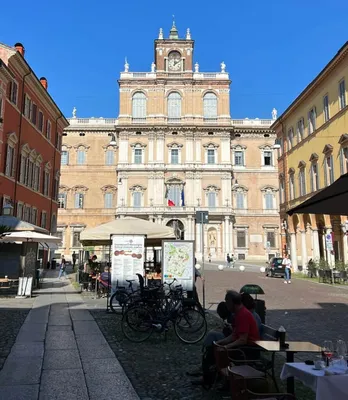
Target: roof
322,74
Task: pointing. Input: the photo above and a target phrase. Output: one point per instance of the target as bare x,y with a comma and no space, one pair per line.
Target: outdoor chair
243,383
343,276
328,276
321,276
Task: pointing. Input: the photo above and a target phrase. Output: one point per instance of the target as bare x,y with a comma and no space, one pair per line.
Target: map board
127,259
178,261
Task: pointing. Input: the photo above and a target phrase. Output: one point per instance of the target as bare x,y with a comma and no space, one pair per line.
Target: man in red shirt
245,330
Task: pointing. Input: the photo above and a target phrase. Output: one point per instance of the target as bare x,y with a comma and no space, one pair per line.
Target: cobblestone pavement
157,368
12,315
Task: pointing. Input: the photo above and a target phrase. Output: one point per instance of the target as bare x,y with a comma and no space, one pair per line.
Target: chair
241,382
343,276
321,276
328,276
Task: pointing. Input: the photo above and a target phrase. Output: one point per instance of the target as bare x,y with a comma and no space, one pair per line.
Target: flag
182,198
171,203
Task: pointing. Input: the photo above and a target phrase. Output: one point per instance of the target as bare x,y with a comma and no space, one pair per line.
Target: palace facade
173,150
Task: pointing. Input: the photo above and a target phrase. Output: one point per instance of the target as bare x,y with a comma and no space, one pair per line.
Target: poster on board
127,259
178,261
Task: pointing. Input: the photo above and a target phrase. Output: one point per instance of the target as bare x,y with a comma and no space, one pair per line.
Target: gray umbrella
333,200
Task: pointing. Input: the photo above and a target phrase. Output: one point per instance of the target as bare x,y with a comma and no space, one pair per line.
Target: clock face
174,61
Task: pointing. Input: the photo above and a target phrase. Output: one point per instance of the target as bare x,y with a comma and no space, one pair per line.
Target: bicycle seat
130,281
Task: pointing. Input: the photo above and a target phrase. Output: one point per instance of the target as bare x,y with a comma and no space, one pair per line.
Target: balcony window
342,94
329,170
211,156
210,106
174,106
109,157
10,161
239,158
174,156
240,200
314,177
326,108
268,158
81,157
137,199
62,200
211,196
269,201
139,107
300,130
312,115
65,158
108,200
174,195
138,156
79,200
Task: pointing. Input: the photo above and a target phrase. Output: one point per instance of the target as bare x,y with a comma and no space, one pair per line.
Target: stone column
304,249
231,231
160,148
227,234
151,148
344,244
316,250
293,251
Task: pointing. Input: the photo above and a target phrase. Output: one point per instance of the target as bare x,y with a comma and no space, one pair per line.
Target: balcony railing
139,120
174,120
252,122
174,75
93,121
172,210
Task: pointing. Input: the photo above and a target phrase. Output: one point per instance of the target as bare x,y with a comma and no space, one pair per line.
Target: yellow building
313,137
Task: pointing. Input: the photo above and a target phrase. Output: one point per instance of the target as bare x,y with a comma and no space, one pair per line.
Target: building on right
313,137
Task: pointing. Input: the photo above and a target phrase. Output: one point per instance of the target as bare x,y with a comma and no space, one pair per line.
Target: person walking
62,269
287,264
228,259
74,258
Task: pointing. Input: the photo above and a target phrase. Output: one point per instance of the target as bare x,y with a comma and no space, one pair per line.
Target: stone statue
223,67
153,67
74,112
274,113
160,35
188,34
212,239
196,67
126,65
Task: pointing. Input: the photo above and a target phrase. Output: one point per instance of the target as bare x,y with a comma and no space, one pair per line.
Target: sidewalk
60,352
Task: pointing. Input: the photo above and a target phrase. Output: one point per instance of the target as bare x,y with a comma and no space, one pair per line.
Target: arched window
139,107
210,106
174,106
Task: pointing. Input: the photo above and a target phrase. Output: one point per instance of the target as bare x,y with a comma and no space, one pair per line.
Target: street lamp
113,139
277,144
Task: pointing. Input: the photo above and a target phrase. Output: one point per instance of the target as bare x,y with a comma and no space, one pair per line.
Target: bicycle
121,295
140,321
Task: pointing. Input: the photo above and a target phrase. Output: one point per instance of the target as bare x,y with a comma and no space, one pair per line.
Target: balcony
139,120
93,121
173,210
252,122
174,120
175,75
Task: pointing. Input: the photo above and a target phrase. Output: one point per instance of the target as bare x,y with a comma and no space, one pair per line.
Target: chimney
44,83
20,48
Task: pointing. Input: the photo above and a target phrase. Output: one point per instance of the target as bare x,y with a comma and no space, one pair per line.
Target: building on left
31,127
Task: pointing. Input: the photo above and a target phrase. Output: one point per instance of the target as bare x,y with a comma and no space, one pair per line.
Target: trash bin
54,264
260,305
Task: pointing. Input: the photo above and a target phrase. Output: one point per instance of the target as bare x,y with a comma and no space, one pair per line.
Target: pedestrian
209,257
228,259
74,257
287,264
232,260
62,269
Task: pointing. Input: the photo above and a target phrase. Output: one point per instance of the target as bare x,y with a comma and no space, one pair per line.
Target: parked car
275,267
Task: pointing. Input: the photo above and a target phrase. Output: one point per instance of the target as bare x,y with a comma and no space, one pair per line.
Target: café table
290,350
326,387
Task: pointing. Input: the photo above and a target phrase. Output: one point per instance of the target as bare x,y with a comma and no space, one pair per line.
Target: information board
178,261
127,259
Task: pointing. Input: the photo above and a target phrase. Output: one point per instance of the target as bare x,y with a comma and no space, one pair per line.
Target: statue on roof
196,67
188,34
126,65
153,67
160,35
223,67
74,112
274,114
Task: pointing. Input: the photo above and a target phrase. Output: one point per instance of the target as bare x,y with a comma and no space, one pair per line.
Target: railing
185,74
174,120
139,120
93,121
210,120
252,122
171,210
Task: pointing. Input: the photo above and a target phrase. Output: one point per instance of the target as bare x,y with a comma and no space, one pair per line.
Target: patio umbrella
28,236
332,200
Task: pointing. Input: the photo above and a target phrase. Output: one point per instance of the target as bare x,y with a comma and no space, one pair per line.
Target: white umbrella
28,236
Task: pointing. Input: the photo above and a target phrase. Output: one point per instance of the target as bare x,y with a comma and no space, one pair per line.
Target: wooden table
294,347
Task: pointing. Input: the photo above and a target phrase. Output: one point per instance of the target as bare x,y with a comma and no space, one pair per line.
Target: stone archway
212,241
179,228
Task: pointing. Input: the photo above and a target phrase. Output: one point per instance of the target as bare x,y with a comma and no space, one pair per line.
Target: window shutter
342,160
332,172
312,179
325,171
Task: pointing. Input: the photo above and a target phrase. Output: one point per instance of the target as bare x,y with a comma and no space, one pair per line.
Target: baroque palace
172,151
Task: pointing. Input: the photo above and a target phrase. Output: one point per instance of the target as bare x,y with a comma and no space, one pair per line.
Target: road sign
202,217
329,244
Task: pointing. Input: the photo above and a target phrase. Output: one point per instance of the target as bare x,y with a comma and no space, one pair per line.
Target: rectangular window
241,239
81,157
174,194
34,216
138,156
291,138
36,182
109,157
239,158
43,219
312,115
79,200
281,191
292,186
26,214
137,199
62,200
302,181
329,171
271,242
211,156
342,94
240,200
34,114
10,161
48,129
40,121
13,92
314,177
269,201
76,239
344,160
19,210
174,156
46,186
267,158
211,200
108,200
64,158
27,106
326,108
300,129
1,106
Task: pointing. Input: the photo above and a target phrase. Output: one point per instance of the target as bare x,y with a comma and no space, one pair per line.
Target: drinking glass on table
327,349
341,348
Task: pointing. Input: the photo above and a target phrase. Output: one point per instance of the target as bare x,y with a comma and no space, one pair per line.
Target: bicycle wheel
137,324
118,299
190,326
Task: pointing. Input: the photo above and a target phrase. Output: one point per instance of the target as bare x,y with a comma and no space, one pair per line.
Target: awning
15,224
333,200
28,236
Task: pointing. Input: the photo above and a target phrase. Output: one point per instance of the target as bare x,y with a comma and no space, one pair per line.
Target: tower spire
173,34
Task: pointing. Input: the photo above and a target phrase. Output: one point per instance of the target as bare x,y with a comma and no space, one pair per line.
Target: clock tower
174,54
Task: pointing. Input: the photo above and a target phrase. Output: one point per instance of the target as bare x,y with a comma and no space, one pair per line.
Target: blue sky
272,48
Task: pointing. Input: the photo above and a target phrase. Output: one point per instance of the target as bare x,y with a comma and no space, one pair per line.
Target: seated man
245,330
249,304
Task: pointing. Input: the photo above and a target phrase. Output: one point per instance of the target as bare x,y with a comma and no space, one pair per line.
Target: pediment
301,164
211,145
138,145
174,145
343,138
291,171
314,157
327,148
